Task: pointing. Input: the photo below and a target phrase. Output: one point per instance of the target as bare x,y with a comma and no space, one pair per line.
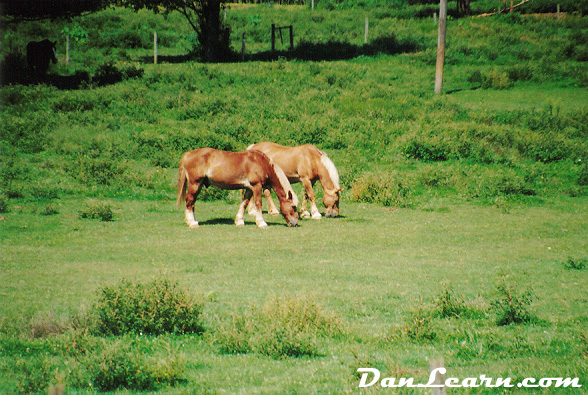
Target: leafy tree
205,18
22,10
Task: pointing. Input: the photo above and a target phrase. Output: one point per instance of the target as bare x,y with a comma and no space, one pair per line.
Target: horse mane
284,181
328,163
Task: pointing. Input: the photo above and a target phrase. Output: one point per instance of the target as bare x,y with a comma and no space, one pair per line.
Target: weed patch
284,327
153,308
121,365
575,263
512,306
389,189
97,210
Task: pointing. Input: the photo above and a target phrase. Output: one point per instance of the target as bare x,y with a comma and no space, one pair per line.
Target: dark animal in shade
39,55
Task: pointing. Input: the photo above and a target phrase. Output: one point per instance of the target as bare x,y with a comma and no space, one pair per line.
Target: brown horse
305,164
249,170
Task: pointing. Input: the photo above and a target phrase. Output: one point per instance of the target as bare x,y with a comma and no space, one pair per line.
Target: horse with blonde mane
306,164
252,171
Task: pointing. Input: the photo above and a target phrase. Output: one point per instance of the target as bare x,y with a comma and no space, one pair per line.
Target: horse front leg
191,194
257,192
271,207
309,195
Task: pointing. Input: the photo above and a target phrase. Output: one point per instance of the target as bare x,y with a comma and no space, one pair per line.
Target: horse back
226,169
300,161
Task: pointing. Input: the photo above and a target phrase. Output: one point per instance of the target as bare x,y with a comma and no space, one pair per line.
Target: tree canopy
203,15
19,10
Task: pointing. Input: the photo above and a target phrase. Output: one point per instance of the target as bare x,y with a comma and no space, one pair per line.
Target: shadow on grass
329,51
335,50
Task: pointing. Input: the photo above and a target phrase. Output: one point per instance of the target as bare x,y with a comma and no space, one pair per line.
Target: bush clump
97,210
388,189
284,327
120,365
511,306
151,309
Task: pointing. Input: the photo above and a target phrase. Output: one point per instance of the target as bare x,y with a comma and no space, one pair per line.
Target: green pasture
463,229
373,267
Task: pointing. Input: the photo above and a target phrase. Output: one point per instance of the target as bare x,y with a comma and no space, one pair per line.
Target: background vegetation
463,228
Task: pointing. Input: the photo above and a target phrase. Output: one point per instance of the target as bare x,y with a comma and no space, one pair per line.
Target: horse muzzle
293,223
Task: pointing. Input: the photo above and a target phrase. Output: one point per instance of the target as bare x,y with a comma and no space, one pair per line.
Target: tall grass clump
97,210
387,188
575,263
153,308
121,364
284,327
512,306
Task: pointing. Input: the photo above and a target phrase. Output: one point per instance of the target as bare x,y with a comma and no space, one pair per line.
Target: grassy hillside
461,212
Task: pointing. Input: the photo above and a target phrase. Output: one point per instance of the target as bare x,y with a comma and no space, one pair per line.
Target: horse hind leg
192,193
246,200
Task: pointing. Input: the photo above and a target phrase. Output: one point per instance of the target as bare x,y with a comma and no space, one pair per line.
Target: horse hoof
317,215
305,214
274,212
193,225
262,225
240,222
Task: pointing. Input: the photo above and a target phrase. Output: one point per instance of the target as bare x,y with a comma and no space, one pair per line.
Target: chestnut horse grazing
249,170
305,164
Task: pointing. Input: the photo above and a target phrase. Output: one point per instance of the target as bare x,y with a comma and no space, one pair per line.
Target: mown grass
461,212
376,270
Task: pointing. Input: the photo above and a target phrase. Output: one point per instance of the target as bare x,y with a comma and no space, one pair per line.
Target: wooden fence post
441,47
439,378
67,49
243,42
367,26
273,37
291,37
155,47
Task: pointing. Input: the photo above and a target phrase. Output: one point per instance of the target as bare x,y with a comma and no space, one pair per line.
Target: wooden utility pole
441,47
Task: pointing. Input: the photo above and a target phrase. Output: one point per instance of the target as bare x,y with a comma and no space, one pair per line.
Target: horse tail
182,182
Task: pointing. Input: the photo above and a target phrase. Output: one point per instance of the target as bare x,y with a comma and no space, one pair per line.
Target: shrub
108,73
50,210
486,182
420,327
102,170
512,306
425,150
121,366
285,327
4,206
448,305
153,308
575,264
97,210
389,189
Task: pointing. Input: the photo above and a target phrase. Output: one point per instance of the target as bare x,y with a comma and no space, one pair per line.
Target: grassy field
374,268
463,229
